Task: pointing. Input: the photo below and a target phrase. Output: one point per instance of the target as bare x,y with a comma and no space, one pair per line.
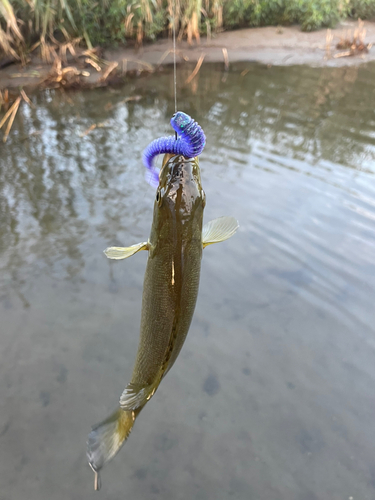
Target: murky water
273,395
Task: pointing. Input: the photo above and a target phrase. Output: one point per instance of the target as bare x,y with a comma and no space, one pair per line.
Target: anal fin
136,396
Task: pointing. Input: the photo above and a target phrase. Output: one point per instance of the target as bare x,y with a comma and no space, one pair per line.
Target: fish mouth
178,170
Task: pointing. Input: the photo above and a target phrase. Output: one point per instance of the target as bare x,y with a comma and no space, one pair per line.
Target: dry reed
12,111
196,69
353,41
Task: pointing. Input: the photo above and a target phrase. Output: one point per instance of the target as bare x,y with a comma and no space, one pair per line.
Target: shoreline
271,45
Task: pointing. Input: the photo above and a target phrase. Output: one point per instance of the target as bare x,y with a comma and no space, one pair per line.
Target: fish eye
158,197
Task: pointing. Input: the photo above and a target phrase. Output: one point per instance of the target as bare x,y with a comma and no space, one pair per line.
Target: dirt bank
269,45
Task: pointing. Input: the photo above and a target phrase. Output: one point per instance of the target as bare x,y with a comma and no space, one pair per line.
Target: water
272,397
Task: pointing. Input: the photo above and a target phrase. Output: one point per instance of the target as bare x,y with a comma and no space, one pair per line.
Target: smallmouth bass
170,292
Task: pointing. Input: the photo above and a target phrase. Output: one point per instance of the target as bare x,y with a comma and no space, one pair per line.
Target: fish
170,291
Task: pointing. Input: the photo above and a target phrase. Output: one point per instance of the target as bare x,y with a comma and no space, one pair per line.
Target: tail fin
107,438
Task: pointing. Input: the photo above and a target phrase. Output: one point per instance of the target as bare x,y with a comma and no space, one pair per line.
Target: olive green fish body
170,292
172,275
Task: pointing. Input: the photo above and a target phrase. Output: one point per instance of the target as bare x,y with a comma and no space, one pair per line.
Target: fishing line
174,56
174,59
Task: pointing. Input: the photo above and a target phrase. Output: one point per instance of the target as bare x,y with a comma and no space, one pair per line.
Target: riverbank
277,46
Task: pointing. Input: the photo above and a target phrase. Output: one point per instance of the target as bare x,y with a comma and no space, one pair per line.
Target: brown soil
270,45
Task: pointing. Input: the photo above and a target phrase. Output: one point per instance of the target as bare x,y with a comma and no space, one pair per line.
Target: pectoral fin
118,253
135,396
218,230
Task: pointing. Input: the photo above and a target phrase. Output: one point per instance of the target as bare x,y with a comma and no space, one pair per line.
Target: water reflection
56,185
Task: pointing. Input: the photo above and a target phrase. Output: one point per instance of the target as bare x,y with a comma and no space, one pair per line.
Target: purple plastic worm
190,142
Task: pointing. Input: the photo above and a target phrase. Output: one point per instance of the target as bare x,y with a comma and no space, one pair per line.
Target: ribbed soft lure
190,143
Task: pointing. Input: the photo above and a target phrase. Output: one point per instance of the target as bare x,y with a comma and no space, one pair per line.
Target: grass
50,24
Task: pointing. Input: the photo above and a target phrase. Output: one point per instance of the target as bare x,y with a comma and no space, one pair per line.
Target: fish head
180,197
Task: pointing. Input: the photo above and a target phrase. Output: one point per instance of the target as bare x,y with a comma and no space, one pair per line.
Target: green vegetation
363,9
107,22
310,14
